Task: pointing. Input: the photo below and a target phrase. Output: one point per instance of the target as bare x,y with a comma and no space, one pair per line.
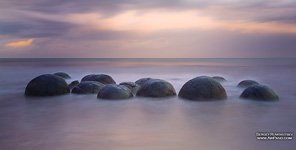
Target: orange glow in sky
19,43
153,21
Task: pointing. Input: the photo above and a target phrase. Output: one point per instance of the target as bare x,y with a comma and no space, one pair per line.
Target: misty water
76,122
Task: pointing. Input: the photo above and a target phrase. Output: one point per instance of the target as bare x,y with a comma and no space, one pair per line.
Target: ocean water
75,122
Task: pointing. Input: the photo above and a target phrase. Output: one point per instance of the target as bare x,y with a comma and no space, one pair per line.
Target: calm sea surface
83,122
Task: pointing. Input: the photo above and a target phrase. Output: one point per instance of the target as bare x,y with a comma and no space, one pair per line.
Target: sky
147,29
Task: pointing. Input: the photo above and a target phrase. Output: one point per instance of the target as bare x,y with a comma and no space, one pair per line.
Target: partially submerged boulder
156,88
142,81
131,85
73,84
259,92
88,87
47,85
102,78
247,83
114,91
63,75
202,88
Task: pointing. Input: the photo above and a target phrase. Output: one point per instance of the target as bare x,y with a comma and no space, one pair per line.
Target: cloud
242,9
34,28
20,43
154,28
159,20
43,18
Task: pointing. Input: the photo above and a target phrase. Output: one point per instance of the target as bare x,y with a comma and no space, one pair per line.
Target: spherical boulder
102,78
63,75
47,85
202,88
131,85
88,87
259,92
156,88
247,83
73,84
114,91
142,81
219,79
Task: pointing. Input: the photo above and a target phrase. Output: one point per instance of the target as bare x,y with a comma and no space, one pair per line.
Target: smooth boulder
219,78
259,92
73,84
88,87
47,85
115,92
63,75
202,88
102,78
247,83
156,88
131,85
142,81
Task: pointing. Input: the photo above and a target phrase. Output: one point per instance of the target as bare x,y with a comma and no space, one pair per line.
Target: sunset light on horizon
154,29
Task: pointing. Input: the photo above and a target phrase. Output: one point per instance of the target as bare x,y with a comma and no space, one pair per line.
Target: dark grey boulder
47,85
202,88
63,75
219,79
131,85
259,92
102,78
156,88
247,83
88,87
73,84
142,81
77,90
114,91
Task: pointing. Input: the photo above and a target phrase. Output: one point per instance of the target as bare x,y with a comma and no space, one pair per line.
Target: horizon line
141,57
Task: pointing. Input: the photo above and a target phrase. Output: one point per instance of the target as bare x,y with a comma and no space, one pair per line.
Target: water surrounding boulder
156,88
131,85
63,75
114,91
47,85
88,87
202,88
259,92
142,81
247,83
219,78
73,84
102,78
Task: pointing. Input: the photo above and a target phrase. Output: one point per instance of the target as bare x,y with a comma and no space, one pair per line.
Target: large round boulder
114,91
247,83
63,75
88,87
156,88
47,85
219,78
202,88
73,84
131,85
142,81
259,92
102,78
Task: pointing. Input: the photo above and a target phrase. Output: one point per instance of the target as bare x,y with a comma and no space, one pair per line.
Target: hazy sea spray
83,122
